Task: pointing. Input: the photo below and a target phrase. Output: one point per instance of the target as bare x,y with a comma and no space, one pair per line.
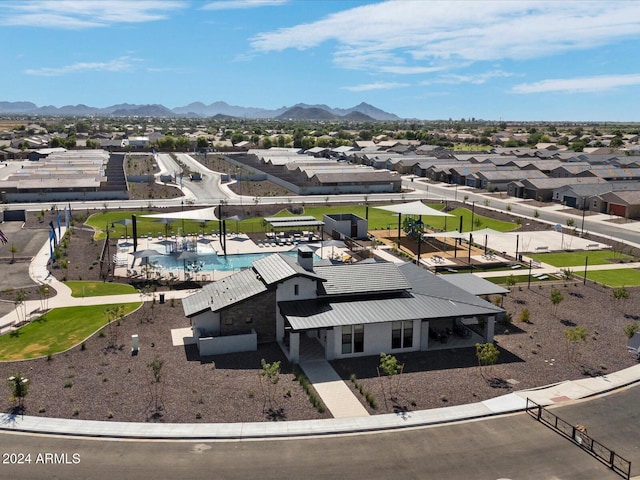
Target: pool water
208,262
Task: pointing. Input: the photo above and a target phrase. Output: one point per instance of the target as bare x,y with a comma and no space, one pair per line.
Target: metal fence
578,435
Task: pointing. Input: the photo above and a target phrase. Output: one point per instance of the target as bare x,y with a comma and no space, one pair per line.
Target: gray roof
357,278
303,315
474,284
222,293
276,268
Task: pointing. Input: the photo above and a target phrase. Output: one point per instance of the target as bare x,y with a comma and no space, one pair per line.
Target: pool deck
237,244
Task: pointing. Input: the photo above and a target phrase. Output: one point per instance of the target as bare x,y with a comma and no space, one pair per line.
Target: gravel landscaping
95,381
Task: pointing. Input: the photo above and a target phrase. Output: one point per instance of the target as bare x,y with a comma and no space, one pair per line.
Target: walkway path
333,391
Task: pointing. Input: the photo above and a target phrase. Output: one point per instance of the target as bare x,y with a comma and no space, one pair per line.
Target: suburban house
351,310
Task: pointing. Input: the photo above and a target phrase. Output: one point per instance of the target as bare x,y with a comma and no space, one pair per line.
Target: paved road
509,447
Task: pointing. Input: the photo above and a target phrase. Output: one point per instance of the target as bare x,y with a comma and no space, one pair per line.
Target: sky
503,60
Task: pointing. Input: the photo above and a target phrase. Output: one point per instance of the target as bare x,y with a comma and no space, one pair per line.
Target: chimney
305,258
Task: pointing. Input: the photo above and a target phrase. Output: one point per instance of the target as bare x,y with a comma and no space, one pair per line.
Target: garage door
619,210
570,201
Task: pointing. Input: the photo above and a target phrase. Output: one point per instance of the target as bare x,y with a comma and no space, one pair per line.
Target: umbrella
166,222
126,222
236,218
332,244
146,253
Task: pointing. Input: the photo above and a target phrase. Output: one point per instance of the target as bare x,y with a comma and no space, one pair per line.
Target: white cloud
410,35
77,14
597,83
117,65
242,4
376,86
475,79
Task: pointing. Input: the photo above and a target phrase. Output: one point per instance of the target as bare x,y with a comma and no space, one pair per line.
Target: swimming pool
208,261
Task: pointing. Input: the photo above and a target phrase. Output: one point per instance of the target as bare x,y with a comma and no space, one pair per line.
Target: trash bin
162,298
520,257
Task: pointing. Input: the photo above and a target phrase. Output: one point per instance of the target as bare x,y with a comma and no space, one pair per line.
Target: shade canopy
452,234
187,255
124,221
145,253
414,208
201,215
484,231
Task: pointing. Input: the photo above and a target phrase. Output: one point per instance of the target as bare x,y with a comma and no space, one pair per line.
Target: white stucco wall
377,339
209,321
306,289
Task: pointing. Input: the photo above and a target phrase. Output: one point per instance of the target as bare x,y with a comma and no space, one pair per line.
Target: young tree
575,337
44,293
555,297
156,382
487,354
269,375
393,370
19,386
13,251
525,316
115,315
21,306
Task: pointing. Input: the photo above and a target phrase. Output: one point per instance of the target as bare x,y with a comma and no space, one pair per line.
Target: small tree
156,383
555,297
269,378
487,354
575,337
44,292
19,386
392,369
13,251
525,316
115,315
21,306
511,281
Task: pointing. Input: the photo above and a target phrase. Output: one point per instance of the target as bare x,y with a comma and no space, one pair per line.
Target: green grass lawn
56,331
517,278
574,259
378,220
95,289
620,277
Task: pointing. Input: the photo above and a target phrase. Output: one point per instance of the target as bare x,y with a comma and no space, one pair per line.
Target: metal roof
303,315
222,293
350,279
285,224
276,268
474,284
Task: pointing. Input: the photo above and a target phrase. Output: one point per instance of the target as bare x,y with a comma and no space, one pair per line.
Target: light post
182,210
473,212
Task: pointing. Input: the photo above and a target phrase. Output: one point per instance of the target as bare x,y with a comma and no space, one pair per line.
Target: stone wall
258,313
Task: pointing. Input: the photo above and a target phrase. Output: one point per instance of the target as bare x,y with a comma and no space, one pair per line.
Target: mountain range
362,112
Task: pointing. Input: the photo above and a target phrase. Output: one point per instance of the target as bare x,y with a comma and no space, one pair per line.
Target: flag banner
53,230
58,220
67,219
3,238
52,238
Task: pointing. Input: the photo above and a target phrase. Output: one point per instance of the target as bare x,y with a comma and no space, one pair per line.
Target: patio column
294,347
489,328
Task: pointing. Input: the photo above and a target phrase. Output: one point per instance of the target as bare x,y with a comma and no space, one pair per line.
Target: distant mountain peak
299,111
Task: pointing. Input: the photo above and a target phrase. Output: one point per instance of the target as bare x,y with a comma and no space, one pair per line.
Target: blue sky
510,60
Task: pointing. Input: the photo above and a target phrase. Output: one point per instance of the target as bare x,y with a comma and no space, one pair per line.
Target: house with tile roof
351,310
